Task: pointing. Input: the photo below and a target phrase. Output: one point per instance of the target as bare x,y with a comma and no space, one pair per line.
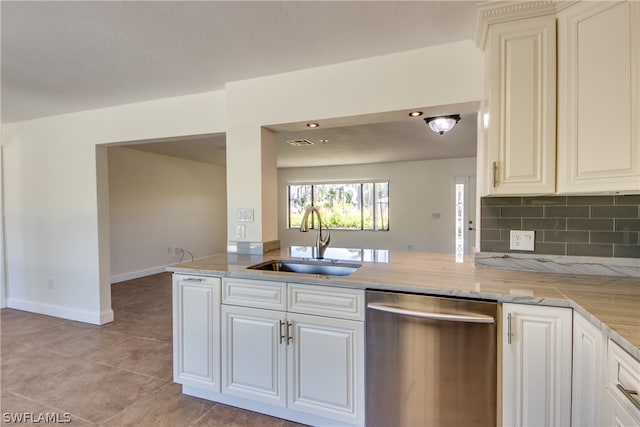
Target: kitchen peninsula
608,304
612,301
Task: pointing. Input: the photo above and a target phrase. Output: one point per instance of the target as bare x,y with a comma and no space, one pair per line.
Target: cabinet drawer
254,293
624,378
189,278
326,301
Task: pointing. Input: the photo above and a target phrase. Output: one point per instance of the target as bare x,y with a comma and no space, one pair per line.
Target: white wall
53,230
416,191
158,202
432,76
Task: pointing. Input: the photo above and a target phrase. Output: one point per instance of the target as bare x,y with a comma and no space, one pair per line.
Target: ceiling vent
299,142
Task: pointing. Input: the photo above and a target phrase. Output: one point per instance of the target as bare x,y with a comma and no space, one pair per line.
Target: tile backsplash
602,226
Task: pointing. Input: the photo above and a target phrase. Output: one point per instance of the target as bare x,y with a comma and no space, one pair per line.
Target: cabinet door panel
522,106
588,373
196,326
598,97
326,375
536,366
253,357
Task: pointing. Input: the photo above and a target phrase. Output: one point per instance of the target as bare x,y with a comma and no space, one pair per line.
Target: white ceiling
66,56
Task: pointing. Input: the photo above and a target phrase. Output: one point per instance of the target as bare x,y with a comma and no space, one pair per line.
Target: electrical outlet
50,284
241,232
169,249
522,240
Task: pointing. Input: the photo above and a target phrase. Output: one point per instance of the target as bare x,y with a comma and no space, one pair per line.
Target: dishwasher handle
434,316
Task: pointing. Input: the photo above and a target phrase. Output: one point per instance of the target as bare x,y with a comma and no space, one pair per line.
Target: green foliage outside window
349,206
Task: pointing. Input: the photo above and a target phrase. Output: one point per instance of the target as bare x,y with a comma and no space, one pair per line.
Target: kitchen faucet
322,243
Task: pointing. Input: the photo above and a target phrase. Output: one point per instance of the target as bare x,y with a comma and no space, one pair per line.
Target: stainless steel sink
320,266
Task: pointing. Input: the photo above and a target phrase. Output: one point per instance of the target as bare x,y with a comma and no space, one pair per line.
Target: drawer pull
192,279
630,394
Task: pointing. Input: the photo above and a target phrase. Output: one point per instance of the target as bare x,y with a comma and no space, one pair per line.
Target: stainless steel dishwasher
430,361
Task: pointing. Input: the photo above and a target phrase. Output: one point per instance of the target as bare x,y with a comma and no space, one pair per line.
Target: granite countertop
611,303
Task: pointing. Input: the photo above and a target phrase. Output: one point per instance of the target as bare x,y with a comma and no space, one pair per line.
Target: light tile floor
119,374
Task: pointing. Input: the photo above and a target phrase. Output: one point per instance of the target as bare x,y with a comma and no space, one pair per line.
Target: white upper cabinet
571,131
522,106
598,97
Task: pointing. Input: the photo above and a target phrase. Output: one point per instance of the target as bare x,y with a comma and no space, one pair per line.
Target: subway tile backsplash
601,226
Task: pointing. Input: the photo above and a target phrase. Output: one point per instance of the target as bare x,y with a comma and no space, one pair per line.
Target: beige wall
417,190
158,202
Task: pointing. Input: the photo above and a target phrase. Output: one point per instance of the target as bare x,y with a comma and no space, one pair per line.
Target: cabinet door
599,97
196,331
588,383
536,380
326,367
254,354
522,106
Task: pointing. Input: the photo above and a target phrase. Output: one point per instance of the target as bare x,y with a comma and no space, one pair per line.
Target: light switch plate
522,240
244,215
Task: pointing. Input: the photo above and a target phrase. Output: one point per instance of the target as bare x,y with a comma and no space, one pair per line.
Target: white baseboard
117,278
95,318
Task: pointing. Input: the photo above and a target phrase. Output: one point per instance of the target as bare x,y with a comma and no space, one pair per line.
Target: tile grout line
204,413
133,403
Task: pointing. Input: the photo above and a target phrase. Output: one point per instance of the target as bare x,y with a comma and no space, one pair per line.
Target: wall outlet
169,249
241,232
522,240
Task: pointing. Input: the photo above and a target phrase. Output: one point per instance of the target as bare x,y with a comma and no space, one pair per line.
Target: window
348,206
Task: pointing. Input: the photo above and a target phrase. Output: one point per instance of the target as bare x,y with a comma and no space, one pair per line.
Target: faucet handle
327,238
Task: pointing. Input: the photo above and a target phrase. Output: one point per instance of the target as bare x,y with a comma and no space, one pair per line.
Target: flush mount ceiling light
442,124
415,114
312,125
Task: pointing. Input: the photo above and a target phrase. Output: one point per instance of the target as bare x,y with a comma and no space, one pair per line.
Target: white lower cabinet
588,371
196,331
536,356
253,354
307,363
325,367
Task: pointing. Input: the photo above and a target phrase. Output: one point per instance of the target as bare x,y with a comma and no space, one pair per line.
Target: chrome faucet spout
322,241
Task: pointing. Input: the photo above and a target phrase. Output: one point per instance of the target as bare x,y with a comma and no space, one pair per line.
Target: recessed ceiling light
312,125
324,141
415,113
